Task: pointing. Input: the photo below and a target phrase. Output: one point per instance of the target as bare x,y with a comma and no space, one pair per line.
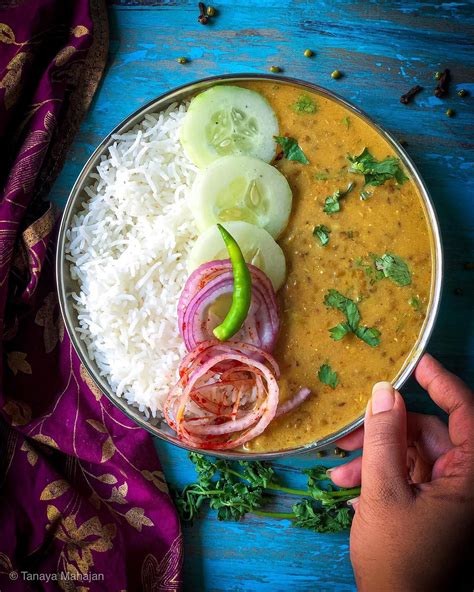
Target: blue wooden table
383,48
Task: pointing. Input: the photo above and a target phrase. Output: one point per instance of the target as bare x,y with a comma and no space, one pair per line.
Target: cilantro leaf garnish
415,302
335,299
291,149
388,266
376,172
321,176
339,331
304,104
368,334
322,232
394,268
332,205
327,376
370,271
352,314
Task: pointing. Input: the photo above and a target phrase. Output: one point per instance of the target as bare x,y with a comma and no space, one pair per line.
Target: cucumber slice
257,246
228,120
242,188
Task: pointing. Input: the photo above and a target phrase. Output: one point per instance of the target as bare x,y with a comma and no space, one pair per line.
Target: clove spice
202,18
441,89
406,98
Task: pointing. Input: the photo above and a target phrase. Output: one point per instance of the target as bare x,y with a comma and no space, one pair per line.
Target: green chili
242,294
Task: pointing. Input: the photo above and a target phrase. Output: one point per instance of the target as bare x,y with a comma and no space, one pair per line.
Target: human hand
413,528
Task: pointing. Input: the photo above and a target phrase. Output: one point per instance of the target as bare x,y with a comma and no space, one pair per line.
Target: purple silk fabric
83,502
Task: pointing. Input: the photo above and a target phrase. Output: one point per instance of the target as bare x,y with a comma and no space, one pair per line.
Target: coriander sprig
234,493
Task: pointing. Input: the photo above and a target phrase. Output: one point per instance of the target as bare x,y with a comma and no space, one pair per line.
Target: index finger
451,394
352,441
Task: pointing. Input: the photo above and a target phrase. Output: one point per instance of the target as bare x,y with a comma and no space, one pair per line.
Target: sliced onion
213,280
294,402
225,395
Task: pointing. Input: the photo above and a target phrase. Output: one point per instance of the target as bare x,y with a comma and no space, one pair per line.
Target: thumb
384,471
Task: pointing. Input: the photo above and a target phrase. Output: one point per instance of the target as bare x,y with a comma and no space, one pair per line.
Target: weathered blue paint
383,48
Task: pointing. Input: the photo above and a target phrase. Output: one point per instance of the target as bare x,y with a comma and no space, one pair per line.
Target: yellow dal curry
392,220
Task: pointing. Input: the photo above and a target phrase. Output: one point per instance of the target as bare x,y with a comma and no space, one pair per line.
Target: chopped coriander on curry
291,149
335,299
347,121
388,266
327,376
415,303
369,269
369,335
394,268
376,172
321,176
304,104
322,232
332,205
340,331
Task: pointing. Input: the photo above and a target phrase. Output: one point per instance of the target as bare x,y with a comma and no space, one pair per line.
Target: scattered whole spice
437,75
450,113
202,18
308,53
182,60
320,453
211,11
462,92
406,98
441,89
336,74
275,69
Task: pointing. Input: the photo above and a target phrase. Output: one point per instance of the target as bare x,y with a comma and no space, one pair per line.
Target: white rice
128,248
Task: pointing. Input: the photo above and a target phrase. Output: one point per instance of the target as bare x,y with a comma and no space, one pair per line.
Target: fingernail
328,473
383,397
353,501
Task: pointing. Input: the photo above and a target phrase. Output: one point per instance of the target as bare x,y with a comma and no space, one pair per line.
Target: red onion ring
294,402
213,280
241,395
